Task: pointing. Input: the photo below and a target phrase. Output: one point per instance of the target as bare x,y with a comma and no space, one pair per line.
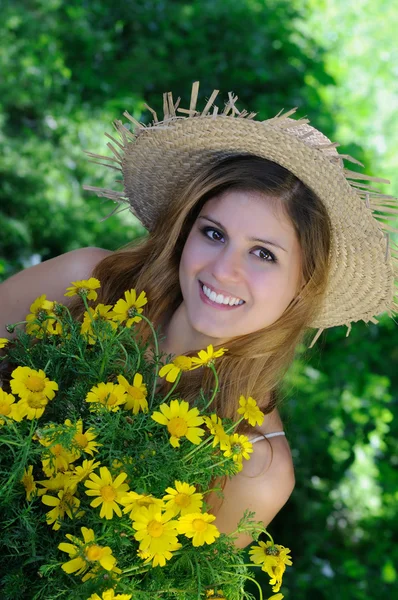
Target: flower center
108,493
199,524
93,552
182,500
135,393
272,551
81,440
36,401
155,528
132,312
5,409
183,362
111,400
177,426
237,449
35,383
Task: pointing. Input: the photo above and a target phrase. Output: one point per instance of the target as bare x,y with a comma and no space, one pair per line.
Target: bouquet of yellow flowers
103,481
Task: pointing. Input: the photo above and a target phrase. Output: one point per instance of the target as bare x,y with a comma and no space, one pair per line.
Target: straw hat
158,159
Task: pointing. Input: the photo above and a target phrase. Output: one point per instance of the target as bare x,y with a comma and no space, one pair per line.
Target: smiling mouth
219,299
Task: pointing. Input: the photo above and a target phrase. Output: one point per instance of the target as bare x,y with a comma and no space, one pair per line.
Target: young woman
255,235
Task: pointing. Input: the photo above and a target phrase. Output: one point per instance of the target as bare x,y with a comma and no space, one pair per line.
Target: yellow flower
183,499
180,421
250,411
132,502
173,369
84,287
156,533
239,448
216,428
26,381
29,483
31,407
136,393
128,309
218,595
81,472
60,481
84,441
100,313
109,395
57,458
86,554
39,319
276,597
65,504
3,342
110,595
6,405
206,357
198,526
108,492
273,559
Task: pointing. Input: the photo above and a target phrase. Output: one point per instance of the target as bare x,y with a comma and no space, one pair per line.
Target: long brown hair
254,363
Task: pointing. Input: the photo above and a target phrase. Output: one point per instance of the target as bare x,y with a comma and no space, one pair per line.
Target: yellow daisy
198,526
250,411
81,472
86,554
108,492
31,407
110,595
29,482
84,287
216,428
99,313
65,504
3,342
60,481
38,320
215,595
109,395
206,357
84,441
239,448
276,597
159,558
156,533
126,311
136,393
6,405
132,502
180,421
182,499
173,369
26,381
57,458
273,558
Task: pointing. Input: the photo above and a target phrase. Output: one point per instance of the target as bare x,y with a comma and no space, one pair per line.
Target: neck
181,338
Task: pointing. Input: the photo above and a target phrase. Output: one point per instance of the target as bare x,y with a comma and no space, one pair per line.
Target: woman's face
243,252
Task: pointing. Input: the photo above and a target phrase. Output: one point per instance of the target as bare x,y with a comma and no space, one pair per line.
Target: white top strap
266,435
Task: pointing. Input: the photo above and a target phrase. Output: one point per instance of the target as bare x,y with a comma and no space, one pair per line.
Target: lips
209,302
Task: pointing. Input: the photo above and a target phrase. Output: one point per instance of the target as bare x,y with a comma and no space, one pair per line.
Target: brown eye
212,234
265,255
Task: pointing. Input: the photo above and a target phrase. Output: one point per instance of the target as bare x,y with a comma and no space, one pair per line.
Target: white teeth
219,298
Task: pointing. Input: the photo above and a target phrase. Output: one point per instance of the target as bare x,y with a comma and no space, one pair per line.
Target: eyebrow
266,242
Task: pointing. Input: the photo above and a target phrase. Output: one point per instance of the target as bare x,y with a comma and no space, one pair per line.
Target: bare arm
51,277
259,487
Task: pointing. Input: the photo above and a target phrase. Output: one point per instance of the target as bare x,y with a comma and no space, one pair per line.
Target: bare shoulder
50,278
263,486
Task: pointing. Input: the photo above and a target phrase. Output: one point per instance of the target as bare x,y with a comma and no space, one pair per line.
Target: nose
226,265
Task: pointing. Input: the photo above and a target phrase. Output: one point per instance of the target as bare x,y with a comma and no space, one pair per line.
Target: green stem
173,387
249,578
197,448
155,339
212,367
234,425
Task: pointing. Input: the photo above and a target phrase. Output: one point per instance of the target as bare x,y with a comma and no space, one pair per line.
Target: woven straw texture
158,160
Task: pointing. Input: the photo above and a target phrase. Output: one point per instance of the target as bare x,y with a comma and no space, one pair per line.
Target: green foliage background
68,68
